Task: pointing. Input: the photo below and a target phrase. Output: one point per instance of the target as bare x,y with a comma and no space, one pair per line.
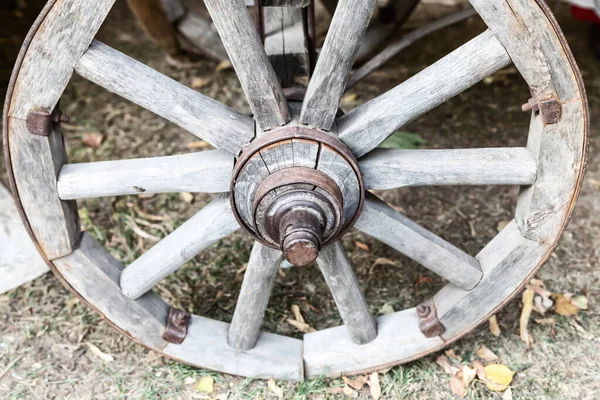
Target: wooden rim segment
49,58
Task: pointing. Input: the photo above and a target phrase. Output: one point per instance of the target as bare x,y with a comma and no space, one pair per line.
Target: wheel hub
297,189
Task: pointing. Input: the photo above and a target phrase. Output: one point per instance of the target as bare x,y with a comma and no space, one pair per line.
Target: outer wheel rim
541,257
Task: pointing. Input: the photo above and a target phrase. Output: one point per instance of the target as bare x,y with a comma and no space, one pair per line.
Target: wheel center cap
297,189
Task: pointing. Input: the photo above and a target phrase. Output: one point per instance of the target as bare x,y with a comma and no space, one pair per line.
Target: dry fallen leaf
422,280
277,391
564,306
301,326
297,314
99,353
198,144
362,246
349,98
92,139
356,383
443,362
580,301
187,197
479,369
198,83
498,377
542,304
501,225
205,385
468,374
381,261
524,319
494,327
545,321
507,395
348,391
450,353
223,65
374,386
486,355
386,309
458,387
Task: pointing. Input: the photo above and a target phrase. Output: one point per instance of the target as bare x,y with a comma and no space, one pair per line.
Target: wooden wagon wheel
299,185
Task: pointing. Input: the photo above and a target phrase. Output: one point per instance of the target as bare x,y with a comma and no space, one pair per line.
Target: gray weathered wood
174,9
335,61
94,275
285,3
559,149
36,162
332,353
206,171
20,261
254,296
392,228
349,299
508,262
206,346
197,33
48,64
221,126
287,47
366,126
212,223
391,168
250,61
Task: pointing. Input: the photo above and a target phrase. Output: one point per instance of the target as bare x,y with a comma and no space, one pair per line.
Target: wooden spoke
202,172
222,127
214,222
388,168
351,303
392,228
247,54
254,297
365,127
328,82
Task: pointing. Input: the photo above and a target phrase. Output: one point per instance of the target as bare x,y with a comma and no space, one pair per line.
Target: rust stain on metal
42,123
550,109
429,323
177,326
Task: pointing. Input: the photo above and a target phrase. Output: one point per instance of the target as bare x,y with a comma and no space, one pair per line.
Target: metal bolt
531,105
60,117
301,248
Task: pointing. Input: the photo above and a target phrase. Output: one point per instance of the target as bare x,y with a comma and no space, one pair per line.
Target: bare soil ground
45,332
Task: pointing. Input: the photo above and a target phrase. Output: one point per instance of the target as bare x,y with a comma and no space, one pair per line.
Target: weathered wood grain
210,120
206,171
349,299
508,261
335,61
55,48
94,275
332,353
212,223
366,126
36,162
206,346
20,261
250,62
287,47
285,3
254,296
392,228
199,34
559,149
391,168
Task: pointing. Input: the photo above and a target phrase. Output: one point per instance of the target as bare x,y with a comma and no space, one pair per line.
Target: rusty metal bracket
42,123
550,109
177,326
429,323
